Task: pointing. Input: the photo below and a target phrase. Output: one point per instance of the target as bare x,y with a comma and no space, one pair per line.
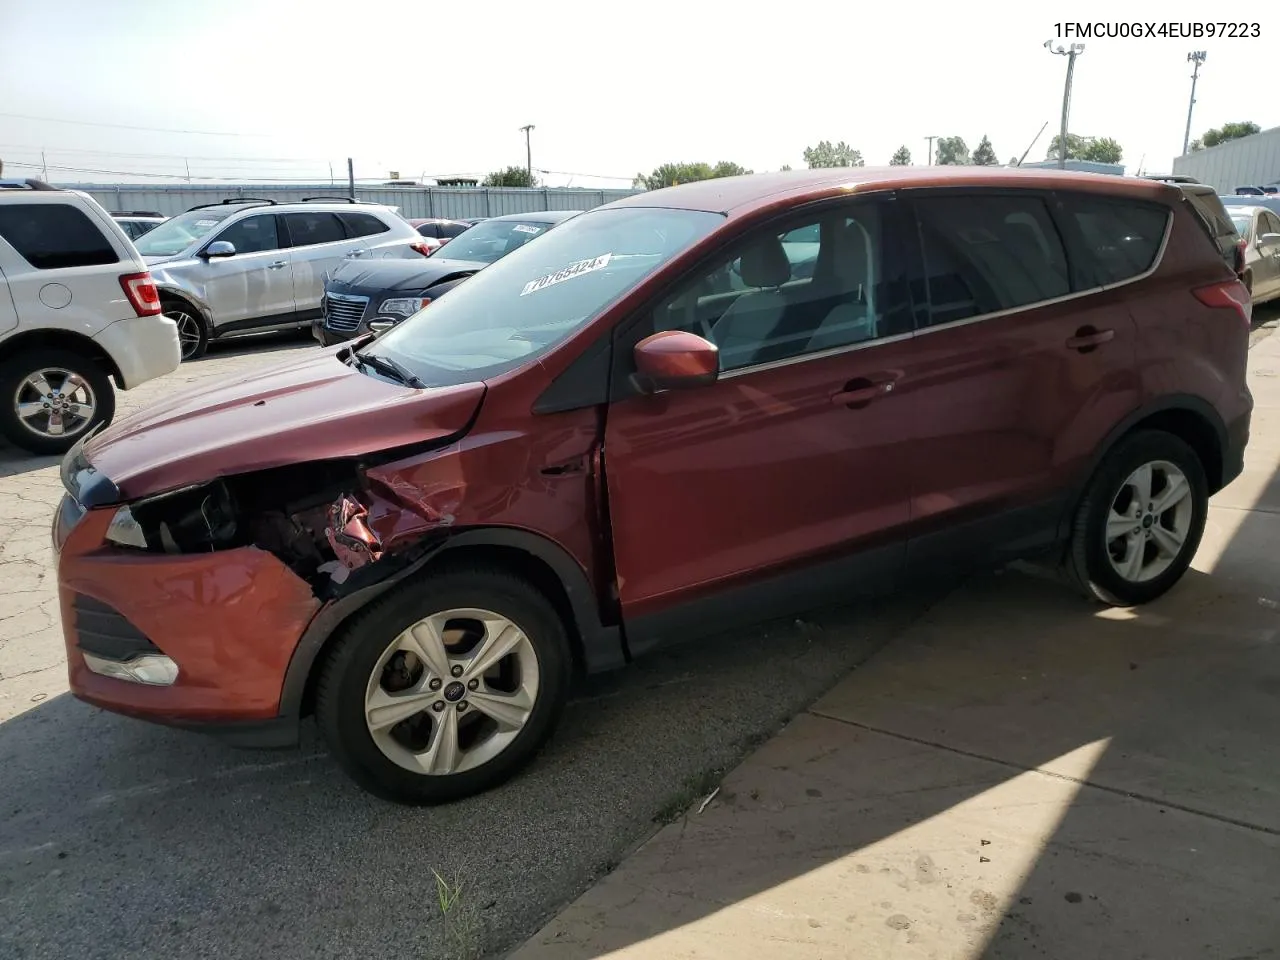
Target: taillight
1242,256
421,248
1230,294
142,293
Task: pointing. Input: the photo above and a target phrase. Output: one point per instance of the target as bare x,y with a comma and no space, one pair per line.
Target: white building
1247,162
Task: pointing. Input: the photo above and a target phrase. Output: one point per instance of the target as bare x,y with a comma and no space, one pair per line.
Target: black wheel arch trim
1180,402
602,645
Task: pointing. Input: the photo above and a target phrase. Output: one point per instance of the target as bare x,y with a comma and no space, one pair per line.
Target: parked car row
675,414
138,222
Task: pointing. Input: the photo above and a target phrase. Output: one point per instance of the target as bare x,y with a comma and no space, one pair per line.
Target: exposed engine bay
317,518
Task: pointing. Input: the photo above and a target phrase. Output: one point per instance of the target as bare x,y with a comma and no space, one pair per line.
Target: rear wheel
446,687
193,330
51,397
1141,520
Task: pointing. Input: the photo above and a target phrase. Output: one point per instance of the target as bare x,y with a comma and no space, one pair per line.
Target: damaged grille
101,629
343,311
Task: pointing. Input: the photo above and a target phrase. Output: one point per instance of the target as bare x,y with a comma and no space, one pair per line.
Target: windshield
175,235
526,303
493,239
1242,224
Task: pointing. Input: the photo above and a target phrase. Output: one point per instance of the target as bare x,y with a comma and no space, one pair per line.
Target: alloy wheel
54,402
188,332
452,691
1149,521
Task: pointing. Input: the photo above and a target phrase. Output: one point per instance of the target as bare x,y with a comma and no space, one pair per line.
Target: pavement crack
1009,764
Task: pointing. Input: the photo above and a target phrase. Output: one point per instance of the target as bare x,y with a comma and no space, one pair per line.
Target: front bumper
230,621
142,348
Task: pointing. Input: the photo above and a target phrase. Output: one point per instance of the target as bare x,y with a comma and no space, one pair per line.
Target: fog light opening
154,670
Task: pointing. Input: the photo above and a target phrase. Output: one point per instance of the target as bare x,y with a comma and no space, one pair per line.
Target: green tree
1075,147
669,174
901,157
1097,149
984,155
510,177
1103,150
827,155
785,168
1013,162
952,151
1228,131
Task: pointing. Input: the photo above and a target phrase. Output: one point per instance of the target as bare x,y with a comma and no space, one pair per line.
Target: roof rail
253,201
330,200
31,183
138,213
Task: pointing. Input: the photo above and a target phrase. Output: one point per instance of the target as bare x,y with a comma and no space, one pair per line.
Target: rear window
50,236
1123,238
362,224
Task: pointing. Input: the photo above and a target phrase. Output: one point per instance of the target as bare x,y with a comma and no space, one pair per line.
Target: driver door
785,484
255,285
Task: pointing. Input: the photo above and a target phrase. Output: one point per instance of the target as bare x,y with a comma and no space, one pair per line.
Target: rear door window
51,236
1122,238
1268,223
308,229
984,253
362,224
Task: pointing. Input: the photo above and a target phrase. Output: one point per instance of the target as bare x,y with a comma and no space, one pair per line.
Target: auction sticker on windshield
525,228
572,270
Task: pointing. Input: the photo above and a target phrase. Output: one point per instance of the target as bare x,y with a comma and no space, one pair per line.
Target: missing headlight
194,520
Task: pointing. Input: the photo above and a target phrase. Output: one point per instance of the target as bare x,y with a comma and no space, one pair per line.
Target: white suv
247,266
77,308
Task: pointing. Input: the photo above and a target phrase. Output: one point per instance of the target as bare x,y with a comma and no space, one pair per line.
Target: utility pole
929,157
1198,57
351,179
528,152
44,170
1070,53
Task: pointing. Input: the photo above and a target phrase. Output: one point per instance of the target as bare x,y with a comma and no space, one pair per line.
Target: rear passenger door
317,244
1018,372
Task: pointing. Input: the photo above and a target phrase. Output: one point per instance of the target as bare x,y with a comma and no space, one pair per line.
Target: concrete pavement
1018,774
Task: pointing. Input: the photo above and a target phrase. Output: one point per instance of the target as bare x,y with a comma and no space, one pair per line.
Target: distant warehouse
1247,162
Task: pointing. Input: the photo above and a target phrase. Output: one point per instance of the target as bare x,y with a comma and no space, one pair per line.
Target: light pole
1070,53
1197,58
929,158
528,152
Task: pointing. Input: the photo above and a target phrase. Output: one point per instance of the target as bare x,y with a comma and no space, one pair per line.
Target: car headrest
765,264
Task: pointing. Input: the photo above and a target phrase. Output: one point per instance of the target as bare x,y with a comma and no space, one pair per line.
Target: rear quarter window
52,236
362,224
1121,238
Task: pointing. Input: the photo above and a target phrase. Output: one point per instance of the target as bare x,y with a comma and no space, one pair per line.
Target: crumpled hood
415,274
313,408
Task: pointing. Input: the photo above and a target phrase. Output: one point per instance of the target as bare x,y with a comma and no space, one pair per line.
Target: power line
160,156
598,176
123,126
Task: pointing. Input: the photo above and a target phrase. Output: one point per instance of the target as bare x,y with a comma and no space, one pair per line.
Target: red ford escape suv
674,414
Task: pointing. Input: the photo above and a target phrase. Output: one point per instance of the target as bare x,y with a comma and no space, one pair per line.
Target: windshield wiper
391,368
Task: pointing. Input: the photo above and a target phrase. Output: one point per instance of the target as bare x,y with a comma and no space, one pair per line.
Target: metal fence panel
1248,161
413,202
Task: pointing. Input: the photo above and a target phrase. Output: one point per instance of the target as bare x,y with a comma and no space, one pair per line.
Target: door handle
1087,338
355,253
860,392
277,264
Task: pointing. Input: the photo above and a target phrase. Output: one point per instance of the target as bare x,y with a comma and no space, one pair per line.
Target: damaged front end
326,522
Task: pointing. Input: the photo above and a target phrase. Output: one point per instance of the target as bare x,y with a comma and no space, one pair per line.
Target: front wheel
193,331
51,397
446,687
1141,520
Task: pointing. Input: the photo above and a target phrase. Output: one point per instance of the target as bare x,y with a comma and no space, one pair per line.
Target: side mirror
1269,239
219,248
674,359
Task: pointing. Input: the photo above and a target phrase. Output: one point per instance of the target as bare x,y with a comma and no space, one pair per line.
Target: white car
77,310
249,266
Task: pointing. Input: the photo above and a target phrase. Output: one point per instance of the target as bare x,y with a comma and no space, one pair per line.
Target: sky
266,89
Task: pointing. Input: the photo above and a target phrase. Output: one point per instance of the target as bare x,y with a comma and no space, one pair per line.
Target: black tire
193,328
15,370
345,674
1088,563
